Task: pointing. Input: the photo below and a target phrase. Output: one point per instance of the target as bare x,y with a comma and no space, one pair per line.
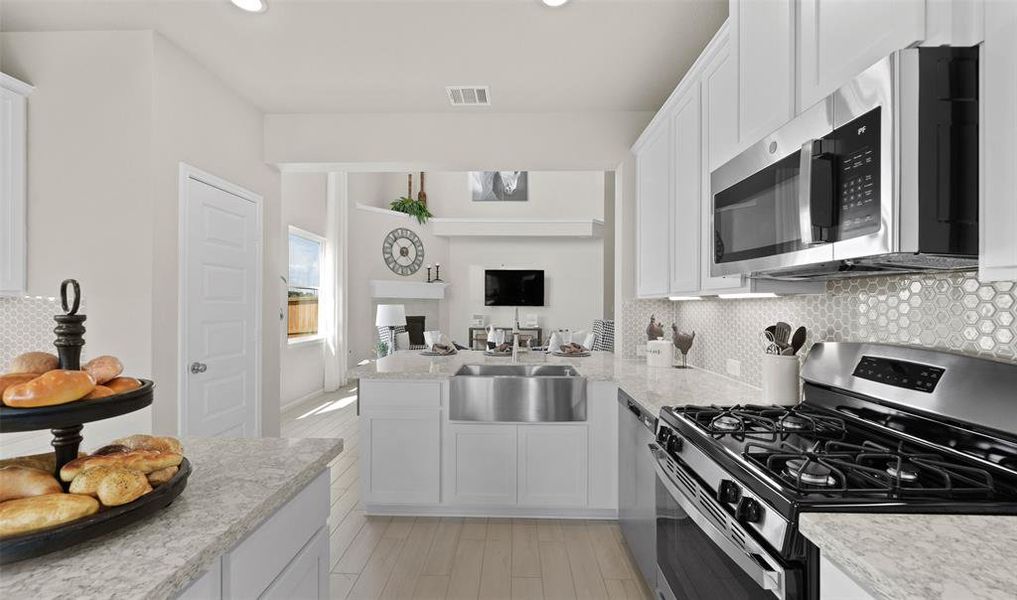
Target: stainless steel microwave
880,177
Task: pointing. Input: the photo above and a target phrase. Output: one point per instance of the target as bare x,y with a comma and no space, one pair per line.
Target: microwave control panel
857,183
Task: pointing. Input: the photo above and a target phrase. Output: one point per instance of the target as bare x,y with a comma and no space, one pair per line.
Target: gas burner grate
870,470
763,423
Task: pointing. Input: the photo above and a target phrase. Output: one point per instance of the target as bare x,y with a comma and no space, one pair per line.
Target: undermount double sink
517,393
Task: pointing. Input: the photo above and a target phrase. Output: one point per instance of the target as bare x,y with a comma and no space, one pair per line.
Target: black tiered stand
65,421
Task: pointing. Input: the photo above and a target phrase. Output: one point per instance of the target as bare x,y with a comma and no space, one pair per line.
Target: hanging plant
412,207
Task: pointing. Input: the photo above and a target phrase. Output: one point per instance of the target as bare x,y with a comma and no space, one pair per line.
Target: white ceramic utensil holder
659,354
780,379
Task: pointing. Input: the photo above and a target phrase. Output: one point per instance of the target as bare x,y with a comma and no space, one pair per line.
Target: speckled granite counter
650,387
236,484
920,557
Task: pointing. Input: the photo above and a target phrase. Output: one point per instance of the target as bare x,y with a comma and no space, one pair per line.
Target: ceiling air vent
473,95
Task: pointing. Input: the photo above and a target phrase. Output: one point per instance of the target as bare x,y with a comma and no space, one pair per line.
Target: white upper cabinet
687,185
653,191
13,173
841,38
719,96
998,155
763,33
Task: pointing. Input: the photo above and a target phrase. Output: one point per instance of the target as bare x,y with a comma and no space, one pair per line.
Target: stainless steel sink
516,393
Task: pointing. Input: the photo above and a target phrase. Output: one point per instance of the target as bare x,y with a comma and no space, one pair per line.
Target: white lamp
391,316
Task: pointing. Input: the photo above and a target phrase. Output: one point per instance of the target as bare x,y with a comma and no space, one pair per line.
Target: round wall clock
403,251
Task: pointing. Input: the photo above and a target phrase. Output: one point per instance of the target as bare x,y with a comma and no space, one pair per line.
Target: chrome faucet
515,346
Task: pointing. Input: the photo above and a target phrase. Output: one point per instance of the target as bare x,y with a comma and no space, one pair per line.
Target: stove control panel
899,373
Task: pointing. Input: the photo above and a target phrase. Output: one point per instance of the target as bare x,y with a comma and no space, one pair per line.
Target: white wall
302,364
573,280
200,121
367,230
90,213
624,243
469,140
112,116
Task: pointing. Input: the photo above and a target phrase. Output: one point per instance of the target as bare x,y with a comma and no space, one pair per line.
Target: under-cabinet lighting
683,298
748,295
254,6
554,2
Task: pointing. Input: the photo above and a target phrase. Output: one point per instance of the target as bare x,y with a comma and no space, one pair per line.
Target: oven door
701,553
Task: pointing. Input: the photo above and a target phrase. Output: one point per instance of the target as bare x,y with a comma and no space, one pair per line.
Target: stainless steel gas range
880,429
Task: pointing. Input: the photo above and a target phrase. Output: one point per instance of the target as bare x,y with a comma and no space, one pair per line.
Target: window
306,257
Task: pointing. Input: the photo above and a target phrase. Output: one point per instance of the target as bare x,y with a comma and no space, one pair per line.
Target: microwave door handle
805,195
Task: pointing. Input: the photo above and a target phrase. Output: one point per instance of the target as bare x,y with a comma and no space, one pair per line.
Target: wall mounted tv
513,287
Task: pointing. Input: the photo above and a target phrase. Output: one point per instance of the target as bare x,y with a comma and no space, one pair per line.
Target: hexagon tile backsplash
952,312
26,324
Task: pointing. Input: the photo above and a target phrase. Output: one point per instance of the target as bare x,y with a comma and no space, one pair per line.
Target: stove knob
674,444
729,492
748,511
662,435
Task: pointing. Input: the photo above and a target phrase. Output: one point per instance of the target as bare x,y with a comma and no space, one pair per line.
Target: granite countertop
920,557
234,486
651,387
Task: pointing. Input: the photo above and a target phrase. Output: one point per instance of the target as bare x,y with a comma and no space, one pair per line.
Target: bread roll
100,391
22,482
104,368
41,512
34,362
10,379
123,384
121,486
111,449
140,441
112,484
44,462
53,387
145,461
162,475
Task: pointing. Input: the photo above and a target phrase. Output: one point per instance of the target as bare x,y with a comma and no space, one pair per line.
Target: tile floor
395,558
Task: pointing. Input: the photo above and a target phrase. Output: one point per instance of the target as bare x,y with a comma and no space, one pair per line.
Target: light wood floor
432,558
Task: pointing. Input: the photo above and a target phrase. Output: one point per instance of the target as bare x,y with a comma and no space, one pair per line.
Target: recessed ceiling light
255,6
554,2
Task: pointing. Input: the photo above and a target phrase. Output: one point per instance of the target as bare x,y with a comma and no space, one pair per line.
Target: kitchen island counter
236,484
931,557
651,387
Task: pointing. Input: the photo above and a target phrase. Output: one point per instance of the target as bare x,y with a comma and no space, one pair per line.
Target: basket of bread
93,494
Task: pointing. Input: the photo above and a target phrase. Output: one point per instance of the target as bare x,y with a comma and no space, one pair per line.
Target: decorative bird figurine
683,342
654,331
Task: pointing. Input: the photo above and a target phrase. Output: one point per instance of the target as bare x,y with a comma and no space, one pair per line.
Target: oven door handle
754,562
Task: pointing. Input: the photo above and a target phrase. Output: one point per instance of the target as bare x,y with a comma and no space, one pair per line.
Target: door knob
197,367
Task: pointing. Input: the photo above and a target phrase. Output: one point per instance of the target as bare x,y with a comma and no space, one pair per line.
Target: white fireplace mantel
419,290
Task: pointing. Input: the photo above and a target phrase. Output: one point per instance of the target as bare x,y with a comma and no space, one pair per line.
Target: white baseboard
288,405
531,512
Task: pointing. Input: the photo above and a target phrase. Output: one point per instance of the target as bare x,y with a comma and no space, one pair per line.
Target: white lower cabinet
553,465
287,556
481,461
401,456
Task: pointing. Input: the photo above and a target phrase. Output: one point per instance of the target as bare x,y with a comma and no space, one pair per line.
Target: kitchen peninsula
251,523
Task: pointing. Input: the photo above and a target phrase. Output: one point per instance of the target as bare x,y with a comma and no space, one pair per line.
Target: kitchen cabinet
401,437
653,185
835,584
13,175
553,465
764,36
686,201
998,153
840,38
470,451
719,102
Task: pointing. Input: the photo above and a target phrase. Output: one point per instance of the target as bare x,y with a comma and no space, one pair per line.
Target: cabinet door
719,92
841,38
553,463
685,212
306,577
766,75
480,464
401,456
998,218
652,214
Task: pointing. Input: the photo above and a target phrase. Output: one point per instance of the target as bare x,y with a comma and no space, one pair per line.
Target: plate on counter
432,353
571,355
493,353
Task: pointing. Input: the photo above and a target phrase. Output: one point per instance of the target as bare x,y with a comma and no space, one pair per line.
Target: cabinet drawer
306,576
261,557
385,395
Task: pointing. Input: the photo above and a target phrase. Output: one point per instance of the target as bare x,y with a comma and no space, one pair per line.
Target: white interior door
222,281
